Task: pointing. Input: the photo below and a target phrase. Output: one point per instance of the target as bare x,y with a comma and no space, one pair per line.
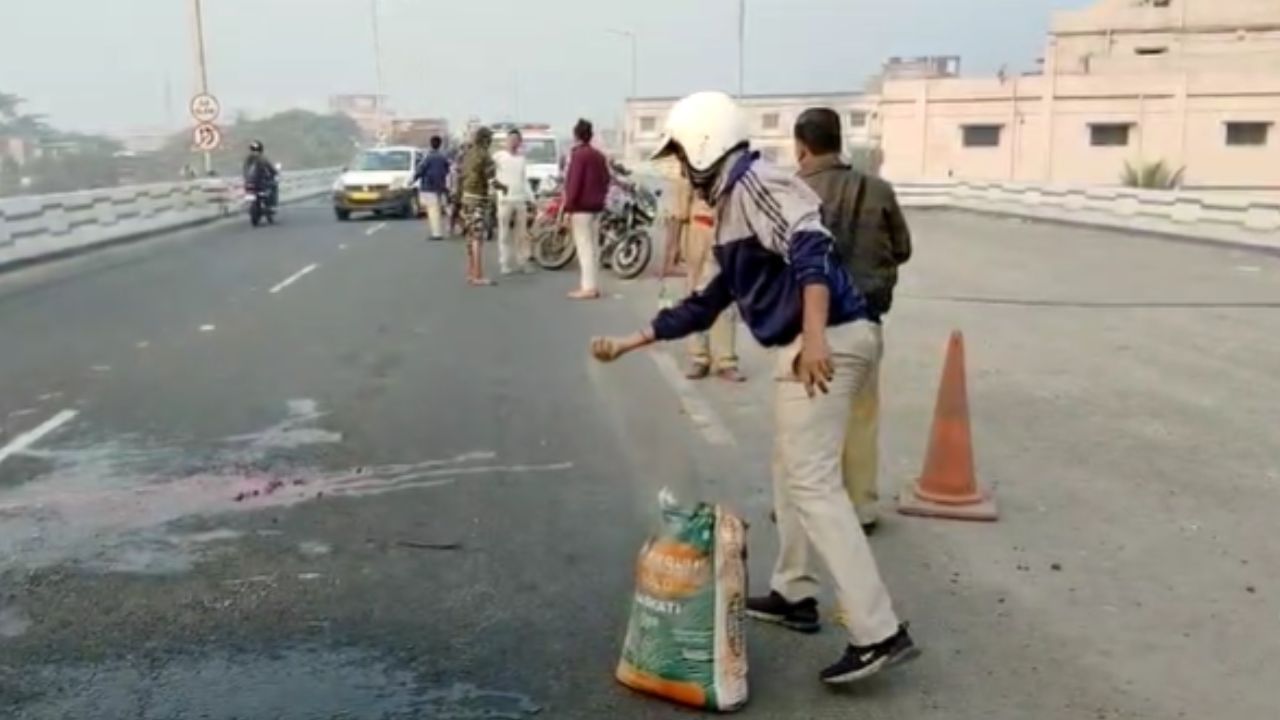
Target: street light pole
742,48
202,68
635,57
377,64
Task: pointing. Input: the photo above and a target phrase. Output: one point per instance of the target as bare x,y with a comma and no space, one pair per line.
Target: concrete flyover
304,471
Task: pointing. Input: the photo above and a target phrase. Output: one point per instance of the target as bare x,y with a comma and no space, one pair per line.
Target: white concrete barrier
42,227
1223,217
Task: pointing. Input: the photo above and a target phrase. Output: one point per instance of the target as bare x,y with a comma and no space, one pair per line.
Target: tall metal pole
742,47
377,62
202,68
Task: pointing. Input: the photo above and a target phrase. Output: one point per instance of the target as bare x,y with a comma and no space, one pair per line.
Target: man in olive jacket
871,235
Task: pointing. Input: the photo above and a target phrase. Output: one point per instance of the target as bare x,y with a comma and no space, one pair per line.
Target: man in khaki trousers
872,238
693,230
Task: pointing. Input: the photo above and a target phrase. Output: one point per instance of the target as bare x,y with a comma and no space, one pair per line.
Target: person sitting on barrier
259,171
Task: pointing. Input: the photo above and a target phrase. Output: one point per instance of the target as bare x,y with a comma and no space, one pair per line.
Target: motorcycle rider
260,172
777,261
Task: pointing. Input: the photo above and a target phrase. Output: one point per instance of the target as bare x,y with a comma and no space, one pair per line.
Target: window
769,121
648,123
1109,134
981,135
1248,133
857,119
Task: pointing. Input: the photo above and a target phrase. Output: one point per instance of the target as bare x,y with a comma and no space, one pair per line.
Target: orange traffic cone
948,488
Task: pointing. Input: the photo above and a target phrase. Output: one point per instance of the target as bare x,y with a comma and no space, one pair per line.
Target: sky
122,66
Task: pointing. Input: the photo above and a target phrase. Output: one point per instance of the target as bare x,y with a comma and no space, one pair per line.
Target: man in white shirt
514,251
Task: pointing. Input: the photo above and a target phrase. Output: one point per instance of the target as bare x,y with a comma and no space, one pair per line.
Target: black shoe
801,617
860,663
870,528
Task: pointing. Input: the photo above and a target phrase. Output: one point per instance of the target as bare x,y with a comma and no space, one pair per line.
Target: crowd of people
808,260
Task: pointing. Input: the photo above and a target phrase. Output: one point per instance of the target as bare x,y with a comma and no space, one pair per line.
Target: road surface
304,472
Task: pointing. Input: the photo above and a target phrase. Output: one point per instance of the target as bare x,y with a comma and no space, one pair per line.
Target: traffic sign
205,108
206,137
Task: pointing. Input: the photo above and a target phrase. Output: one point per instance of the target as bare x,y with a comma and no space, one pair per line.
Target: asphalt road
305,472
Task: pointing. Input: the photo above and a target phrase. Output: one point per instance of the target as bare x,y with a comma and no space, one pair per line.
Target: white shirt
513,172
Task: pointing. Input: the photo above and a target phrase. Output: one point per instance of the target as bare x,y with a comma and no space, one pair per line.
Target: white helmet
704,127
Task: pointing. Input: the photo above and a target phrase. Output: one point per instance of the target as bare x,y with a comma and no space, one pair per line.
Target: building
772,118
1192,83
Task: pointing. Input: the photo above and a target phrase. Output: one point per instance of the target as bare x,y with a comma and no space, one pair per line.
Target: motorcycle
258,200
625,243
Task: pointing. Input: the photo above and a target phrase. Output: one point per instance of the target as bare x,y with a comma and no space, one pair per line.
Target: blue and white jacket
770,244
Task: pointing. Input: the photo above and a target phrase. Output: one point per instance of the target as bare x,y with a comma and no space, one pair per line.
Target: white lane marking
293,278
208,328
1248,268
101,368
143,345
343,246
32,436
375,229
708,422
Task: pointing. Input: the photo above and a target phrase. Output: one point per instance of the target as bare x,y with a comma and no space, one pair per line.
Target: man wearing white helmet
778,263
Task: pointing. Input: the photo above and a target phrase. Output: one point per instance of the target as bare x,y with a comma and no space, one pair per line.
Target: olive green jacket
870,232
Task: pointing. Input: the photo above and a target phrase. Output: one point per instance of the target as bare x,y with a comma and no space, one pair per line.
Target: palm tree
1151,176
9,105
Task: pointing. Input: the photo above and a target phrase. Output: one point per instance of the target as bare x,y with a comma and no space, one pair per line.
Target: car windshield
540,151
383,160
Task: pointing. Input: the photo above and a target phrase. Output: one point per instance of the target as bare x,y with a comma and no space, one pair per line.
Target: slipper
697,371
731,375
584,295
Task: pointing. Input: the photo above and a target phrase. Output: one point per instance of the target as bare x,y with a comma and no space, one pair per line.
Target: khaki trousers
815,518
701,264
861,461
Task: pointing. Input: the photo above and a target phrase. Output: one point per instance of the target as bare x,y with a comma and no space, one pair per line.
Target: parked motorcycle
625,243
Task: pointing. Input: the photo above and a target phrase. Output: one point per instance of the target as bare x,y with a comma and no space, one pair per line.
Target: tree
1151,176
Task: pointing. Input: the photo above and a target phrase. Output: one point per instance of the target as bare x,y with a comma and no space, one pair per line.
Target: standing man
585,190
513,207
479,175
432,177
692,229
777,262
872,238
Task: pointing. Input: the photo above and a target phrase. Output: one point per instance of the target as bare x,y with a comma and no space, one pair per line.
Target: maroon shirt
588,182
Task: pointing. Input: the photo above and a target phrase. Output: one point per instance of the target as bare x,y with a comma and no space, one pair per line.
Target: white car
379,180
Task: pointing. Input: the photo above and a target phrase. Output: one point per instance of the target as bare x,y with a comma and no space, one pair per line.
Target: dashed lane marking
34,435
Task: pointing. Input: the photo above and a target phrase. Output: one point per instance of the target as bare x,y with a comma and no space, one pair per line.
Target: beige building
1194,83
772,118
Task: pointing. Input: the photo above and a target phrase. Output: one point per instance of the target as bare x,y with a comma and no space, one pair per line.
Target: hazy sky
117,65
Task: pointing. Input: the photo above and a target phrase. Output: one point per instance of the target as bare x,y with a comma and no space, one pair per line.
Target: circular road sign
205,108
206,137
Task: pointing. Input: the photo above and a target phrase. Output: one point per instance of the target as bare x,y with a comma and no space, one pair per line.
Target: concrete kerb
134,237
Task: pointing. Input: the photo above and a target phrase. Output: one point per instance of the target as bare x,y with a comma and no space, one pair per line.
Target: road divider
39,228
1226,217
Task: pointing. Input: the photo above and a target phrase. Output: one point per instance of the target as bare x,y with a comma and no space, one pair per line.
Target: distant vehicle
418,132
379,180
541,151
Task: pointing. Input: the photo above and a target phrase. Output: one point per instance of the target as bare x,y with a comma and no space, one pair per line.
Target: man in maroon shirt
585,190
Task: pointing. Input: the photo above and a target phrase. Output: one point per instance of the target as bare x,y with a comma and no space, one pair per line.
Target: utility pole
742,48
202,68
377,64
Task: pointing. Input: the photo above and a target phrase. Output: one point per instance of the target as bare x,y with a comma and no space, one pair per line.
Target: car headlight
338,185
400,183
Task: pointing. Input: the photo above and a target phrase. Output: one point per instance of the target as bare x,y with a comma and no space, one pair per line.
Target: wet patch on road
106,504
294,684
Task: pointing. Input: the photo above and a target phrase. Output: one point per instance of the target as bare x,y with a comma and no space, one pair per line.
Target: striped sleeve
785,216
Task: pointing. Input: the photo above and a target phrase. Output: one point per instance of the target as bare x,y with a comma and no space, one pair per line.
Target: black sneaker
860,663
801,617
